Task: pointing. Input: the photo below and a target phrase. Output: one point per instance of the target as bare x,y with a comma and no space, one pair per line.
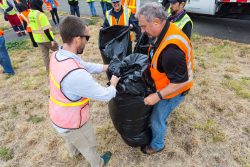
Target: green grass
5,154
35,119
92,21
240,86
17,45
211,130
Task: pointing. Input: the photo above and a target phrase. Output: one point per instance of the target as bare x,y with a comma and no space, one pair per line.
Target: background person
11,16
42,34
74,7
180,17
4,56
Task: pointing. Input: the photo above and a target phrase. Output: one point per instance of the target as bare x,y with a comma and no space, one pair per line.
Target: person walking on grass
40,27
4,56
24,13
71,87
51,6
11,16
92,7
74,7
171,69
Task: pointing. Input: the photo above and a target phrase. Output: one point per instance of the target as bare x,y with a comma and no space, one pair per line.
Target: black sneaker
106,157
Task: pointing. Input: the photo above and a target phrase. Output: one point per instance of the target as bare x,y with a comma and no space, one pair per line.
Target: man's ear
157,21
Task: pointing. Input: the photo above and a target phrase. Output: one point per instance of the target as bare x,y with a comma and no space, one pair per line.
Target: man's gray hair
152,11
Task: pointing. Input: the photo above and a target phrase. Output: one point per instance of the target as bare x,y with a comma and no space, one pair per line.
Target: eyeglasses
86,36
115,2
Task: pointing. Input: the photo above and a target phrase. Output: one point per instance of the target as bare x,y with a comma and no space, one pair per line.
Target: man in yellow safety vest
179,16
40,27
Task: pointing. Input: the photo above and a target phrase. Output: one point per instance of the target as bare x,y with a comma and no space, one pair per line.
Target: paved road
230,29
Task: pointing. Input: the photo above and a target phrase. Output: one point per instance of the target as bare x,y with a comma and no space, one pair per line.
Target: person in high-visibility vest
92,7
120,15
133,5
74,7
180,17
24,13
40,27
51,6
4,56
71,88
171,68
11,16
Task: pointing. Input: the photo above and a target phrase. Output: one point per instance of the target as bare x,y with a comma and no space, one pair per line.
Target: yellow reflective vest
38,23
4,6
182,22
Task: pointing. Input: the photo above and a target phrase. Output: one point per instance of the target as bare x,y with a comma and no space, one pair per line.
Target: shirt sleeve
44,21
172,61
92,68
80,83
187,29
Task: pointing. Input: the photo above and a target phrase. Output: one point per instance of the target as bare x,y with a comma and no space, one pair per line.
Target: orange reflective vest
122,21
65,113
24,17
48,5
131,4
173,36
1,33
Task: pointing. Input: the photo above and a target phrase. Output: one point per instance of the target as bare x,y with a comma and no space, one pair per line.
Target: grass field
211,128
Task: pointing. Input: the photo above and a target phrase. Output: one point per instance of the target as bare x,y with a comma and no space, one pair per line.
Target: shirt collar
162,34
64,54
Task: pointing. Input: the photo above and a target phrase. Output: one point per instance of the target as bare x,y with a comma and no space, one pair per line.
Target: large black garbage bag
127,110
131,119
143,44
114,42
132,69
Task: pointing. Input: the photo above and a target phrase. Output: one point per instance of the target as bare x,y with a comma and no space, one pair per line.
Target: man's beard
80,50
173,12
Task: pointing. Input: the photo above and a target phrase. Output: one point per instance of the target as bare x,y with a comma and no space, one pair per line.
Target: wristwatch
159,95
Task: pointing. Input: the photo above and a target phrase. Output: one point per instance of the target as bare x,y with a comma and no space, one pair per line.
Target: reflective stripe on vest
63,112
132,5
123,20
181,23
37,30
4,6
173,36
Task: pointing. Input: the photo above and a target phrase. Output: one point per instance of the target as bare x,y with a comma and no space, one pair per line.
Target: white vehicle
223,8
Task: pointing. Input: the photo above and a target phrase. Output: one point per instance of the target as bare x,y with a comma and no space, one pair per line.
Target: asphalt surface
222,28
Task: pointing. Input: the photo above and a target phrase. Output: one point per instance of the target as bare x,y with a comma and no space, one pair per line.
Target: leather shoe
149,150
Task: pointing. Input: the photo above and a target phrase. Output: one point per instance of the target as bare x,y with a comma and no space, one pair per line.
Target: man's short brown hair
70,27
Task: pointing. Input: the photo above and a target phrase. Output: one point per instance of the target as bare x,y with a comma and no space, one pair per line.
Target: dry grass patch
211,128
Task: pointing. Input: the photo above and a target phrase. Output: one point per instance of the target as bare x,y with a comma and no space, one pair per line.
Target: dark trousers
53,14
74,10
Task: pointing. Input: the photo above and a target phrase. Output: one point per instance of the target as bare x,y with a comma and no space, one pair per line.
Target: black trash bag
114,42
143,44
131,70
127,110
131,119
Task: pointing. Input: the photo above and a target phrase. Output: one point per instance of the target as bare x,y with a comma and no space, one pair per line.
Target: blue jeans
74,10
4,58
104,7
92,8
158,119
